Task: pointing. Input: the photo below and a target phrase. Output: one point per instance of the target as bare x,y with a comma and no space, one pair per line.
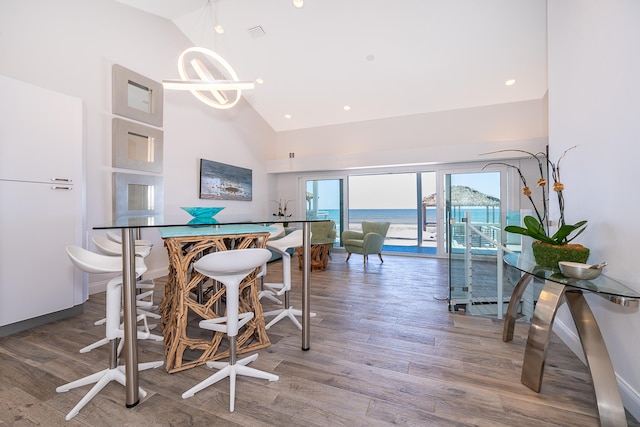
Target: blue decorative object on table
202,215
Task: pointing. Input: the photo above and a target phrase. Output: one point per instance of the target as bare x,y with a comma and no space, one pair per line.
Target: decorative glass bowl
578,270
202,215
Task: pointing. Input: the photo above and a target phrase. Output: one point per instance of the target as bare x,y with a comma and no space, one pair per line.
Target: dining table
189,299
131,226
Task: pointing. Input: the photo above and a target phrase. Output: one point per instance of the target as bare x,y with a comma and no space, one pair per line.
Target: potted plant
282,210
549,249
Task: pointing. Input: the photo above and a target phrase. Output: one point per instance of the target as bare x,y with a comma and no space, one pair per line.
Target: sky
398,191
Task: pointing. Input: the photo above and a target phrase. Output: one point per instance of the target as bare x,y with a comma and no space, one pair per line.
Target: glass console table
130,224
559,288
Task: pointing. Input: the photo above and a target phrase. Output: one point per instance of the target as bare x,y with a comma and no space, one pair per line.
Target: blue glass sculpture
202,215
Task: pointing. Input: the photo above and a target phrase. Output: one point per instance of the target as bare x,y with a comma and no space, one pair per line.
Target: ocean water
410,216
404,222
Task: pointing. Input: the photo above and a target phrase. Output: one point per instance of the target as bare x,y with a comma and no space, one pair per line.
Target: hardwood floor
384,351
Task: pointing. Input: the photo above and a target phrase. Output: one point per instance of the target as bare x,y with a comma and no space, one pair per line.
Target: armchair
369,241
323,232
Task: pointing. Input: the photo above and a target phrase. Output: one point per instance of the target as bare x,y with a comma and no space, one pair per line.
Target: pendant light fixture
200,79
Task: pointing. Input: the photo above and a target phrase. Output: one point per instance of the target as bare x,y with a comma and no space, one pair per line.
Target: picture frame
137,194
136,96
136,146
220,181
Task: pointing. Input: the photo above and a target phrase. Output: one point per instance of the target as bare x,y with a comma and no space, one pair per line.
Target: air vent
256,31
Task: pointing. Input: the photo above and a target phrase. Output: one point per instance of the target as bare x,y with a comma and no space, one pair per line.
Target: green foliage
538,228
534,229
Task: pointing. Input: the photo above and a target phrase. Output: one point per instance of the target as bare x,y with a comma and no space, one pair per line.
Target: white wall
594,93
440,137
70,46
408,143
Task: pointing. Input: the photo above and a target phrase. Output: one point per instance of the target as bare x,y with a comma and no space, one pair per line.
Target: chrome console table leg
539,332
512,310
610,407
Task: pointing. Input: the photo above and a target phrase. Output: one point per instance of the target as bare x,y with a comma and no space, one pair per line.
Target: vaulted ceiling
380,58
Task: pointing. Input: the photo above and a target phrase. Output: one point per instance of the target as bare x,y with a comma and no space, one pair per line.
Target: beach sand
404,234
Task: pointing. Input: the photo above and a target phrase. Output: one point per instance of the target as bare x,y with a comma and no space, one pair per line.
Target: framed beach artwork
220,181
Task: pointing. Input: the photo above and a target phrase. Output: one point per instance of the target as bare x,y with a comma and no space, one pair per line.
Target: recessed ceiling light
510,82
287,116
298,3
219,29
259,80
371,57
347,108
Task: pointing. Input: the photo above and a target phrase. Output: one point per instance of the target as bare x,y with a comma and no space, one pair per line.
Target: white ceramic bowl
578,270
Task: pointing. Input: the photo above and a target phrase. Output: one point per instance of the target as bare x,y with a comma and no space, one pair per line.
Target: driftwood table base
180,306
319,256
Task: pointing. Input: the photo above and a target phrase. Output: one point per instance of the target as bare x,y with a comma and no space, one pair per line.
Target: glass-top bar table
130,224
559,288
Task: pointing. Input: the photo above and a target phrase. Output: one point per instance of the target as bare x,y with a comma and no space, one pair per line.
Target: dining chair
282,246
230,268
91,262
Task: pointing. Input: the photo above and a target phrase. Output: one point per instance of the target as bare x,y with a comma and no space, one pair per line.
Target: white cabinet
41,135
36,276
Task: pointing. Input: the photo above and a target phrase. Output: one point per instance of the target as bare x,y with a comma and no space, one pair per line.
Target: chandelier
201,80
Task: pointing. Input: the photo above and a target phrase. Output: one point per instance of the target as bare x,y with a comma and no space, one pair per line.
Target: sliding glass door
382,198
324,199
429,228
472,199
420,205
474,193
406,200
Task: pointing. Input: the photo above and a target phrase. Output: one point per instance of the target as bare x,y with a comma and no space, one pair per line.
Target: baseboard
568,335
40,320
101,286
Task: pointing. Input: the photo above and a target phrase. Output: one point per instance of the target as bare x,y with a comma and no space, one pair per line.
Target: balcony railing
480,283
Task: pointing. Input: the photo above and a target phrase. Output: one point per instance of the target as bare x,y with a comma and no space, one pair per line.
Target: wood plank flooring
384,351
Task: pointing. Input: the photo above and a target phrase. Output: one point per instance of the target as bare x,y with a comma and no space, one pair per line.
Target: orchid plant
538,227
282,208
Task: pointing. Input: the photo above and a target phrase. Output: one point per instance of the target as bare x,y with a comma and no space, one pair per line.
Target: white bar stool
278,232
118,239
96,263
290,241
144,299
230,268
145,287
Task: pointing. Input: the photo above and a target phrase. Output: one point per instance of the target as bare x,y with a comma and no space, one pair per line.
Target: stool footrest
219,324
